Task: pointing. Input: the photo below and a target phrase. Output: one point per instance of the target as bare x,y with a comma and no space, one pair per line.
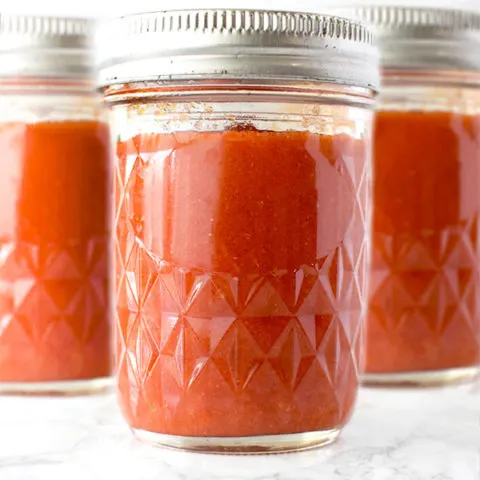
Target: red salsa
240,280
424,312
55,228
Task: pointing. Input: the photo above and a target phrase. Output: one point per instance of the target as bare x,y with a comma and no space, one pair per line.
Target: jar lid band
191,44
41,46
423,38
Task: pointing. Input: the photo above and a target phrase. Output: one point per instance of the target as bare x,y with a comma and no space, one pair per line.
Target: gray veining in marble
395,435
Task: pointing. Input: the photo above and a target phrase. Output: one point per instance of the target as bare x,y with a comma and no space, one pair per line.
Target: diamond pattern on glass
194,340
51,297
428,283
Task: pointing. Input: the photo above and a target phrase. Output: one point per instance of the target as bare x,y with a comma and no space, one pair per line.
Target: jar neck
436,78
238,90
452,91
34,100
34,85
144,107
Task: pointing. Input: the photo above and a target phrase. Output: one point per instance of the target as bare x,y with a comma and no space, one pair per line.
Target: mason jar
424,307
56,191
242,190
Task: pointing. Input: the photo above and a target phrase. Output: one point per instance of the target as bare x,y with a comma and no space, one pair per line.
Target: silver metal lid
53,47
423,38
190,44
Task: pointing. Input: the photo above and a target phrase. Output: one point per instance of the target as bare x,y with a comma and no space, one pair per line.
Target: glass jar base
261,444
73,387
422,379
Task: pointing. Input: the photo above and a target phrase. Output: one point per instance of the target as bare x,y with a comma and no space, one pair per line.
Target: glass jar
57,210
424,308
242,186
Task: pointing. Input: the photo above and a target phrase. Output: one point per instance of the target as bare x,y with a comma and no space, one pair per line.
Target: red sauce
425,286
240,281
55,226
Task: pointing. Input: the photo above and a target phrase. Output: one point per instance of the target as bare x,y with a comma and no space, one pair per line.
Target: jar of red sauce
424,306
56,195
242,188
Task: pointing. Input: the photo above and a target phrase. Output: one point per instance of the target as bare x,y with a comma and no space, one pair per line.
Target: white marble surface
394,435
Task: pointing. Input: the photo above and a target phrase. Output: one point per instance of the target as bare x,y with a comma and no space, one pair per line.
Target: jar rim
422,38
38,46
237,43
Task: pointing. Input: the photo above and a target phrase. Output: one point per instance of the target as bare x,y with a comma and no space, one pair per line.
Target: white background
120,7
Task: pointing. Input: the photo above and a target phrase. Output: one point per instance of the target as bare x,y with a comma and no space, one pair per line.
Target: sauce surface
240,280
55,228
424,309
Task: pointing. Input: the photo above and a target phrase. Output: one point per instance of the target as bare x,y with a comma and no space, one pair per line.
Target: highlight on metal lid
422,38
188,44
44,46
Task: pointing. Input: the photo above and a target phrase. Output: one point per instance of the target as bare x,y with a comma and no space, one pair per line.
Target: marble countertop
395,435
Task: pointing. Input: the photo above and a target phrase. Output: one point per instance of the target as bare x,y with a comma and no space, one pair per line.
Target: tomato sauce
240,280
424,311
55,228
